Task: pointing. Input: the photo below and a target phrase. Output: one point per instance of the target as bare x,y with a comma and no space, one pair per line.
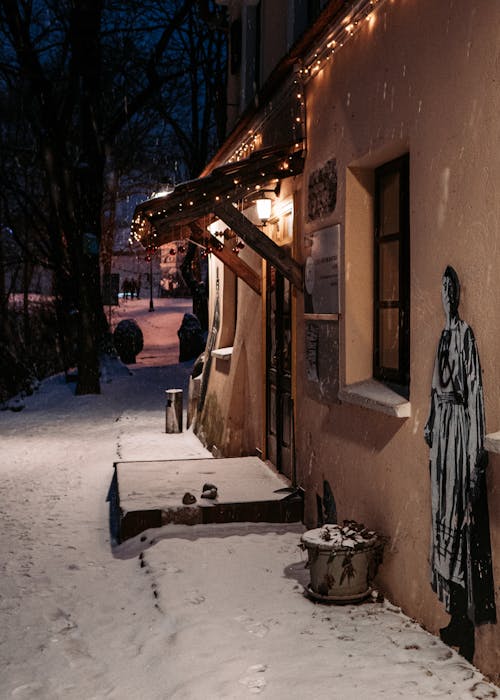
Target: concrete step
150,494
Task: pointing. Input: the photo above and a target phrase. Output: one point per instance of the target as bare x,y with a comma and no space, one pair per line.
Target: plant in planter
343,561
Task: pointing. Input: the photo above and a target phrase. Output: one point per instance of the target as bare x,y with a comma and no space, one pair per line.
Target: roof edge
278,75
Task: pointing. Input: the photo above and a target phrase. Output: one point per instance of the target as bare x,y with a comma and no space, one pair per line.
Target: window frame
396,379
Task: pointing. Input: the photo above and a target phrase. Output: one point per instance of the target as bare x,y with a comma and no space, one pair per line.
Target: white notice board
321,275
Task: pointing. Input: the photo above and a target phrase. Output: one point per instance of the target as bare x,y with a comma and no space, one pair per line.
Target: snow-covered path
195,614
74,619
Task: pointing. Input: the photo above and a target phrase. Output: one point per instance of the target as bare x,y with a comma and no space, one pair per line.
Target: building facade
376,124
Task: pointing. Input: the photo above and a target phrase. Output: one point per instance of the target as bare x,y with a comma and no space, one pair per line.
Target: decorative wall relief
322,191
461,568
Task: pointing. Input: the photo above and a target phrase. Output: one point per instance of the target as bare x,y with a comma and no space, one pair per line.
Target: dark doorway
279,404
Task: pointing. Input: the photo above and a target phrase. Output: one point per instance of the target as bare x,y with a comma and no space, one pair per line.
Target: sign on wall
322,359
321,274
322,191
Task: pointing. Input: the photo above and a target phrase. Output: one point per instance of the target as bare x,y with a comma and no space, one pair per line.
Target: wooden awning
160,219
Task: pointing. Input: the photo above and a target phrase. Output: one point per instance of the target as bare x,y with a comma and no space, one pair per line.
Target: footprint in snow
28,690
254,680
195,598
258,629
169,569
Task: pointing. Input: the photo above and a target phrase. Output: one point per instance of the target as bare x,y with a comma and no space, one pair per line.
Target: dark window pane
287,347
389,338
287,421
389,271
389,204
272,326
286,297
272,410
392,290
235,43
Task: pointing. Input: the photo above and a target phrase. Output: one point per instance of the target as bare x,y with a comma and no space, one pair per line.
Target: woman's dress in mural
461,570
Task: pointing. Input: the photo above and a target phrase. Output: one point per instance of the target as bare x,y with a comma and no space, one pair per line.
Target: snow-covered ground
183,613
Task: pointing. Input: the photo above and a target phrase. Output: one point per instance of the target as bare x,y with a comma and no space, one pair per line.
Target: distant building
132,263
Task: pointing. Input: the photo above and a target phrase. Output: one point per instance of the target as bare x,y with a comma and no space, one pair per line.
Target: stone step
150,494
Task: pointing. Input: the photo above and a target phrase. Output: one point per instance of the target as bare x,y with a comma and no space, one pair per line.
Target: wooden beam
279,257
233,262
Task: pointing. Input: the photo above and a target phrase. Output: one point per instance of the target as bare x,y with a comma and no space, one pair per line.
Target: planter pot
342,561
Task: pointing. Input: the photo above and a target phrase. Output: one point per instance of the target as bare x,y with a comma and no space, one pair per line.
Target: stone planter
343,561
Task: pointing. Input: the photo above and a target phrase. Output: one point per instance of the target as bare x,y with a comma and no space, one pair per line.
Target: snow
238,480
202,612
337,536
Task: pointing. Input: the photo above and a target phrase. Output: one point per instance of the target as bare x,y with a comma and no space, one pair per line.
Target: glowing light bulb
263,209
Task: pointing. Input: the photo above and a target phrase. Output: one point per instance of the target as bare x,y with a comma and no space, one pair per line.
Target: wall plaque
322,360
322,191
321,273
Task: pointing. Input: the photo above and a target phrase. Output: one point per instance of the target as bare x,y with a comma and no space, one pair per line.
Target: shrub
128,340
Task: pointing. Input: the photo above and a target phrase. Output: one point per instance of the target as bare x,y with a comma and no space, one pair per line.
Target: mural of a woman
461,570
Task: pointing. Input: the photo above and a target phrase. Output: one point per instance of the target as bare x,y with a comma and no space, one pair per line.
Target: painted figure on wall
461,569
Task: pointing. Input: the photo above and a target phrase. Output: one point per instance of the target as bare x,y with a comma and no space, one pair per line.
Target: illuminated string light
254,138
360,13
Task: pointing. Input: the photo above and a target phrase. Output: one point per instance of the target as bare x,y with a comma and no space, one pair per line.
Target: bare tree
92,78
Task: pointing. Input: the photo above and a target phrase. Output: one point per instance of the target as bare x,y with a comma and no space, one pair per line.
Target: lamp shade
263,209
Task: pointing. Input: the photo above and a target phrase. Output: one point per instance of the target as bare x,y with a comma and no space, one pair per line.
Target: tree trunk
108,219
4,296
27,275
87,268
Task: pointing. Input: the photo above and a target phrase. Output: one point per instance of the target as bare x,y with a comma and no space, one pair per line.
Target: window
250,56
391,361
301,15
235,44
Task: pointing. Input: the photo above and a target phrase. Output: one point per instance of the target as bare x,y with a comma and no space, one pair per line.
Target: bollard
173,411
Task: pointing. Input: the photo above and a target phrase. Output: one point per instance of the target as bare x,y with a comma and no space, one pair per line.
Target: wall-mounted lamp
264,209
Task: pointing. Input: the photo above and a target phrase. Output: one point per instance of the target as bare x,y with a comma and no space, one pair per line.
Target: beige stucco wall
423,79
231,422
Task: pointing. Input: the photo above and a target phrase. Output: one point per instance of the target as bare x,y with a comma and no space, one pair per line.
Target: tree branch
155,81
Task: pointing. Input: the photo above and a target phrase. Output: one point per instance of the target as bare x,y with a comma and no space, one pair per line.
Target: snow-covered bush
128,340
191,338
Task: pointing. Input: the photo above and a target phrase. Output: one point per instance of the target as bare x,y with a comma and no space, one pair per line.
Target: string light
360,13
254,138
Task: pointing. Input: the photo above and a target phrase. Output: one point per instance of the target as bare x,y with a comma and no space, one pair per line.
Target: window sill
376,397
222,353
492,442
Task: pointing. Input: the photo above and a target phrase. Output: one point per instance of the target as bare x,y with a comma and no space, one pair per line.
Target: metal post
151,307
173,411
